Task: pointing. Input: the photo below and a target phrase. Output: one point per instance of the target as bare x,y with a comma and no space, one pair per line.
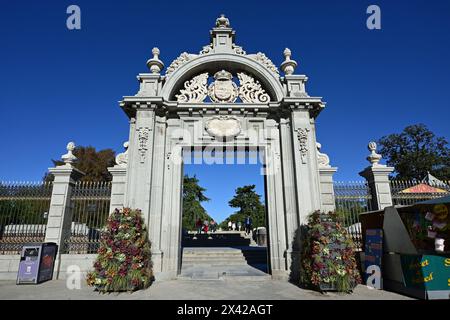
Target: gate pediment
222,73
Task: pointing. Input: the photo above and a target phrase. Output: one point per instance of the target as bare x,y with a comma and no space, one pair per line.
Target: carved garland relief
302,135
143,136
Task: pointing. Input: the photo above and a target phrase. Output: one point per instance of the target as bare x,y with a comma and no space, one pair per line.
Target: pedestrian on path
213,226
199,225
206,226
248,224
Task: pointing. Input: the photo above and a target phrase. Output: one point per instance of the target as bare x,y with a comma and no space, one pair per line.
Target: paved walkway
191,290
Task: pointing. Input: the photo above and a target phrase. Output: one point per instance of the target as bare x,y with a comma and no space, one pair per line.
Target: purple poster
29,266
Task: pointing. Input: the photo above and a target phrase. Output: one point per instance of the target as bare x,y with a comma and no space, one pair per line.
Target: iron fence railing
90,210
352,198
408,192
24,209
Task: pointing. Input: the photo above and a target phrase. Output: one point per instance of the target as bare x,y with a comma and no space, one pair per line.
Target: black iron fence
408,192
24,209
90,210
352,198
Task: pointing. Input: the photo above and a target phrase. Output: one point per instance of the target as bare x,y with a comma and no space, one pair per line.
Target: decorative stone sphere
155,51
372,146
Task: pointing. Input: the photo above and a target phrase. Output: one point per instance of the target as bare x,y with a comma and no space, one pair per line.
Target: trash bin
261,237
36,263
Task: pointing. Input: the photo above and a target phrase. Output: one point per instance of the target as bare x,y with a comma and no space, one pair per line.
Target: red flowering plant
328,255
124,256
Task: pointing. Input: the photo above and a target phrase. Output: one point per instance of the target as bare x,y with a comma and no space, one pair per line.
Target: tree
416,151
249,204
94,163
193,196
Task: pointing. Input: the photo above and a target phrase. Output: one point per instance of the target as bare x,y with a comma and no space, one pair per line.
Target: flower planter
328,257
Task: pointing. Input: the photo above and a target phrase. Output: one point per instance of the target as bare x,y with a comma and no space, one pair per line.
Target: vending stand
416,247
37,262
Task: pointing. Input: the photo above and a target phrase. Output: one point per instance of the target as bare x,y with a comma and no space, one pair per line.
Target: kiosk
416,247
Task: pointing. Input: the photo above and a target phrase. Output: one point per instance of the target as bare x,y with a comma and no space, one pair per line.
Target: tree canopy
249,204
416,151
92,162
193,196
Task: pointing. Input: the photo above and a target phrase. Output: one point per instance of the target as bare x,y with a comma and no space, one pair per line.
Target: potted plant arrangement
328,255
124,257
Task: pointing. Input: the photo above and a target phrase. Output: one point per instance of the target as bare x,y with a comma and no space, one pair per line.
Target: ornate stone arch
170,113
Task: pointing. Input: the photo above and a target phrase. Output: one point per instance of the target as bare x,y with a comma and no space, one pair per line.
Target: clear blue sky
58,85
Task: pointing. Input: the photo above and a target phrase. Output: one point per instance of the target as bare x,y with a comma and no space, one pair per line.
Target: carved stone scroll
195,90
250,90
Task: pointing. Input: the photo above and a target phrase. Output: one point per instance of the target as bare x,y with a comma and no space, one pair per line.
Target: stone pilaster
60,213
327,201
118,185
377,176
306,167
378,179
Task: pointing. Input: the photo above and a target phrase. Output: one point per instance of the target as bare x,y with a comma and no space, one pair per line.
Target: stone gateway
222,97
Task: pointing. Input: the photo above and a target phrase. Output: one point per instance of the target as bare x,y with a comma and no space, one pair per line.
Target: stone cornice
313,104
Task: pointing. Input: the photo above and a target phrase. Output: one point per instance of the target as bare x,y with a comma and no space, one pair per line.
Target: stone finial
69,157
374,158
288,66
222,22
154,64
122,158
322,159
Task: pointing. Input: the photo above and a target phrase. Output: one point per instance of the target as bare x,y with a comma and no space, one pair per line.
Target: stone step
217,263
209,253
213,258
227,273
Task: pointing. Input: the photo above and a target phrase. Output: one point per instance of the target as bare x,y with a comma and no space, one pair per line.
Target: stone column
60,213
326,172
377,176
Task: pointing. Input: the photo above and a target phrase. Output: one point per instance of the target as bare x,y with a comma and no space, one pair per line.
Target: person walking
213,226
234,226
230,224
239,226
206,226
199,225
248,224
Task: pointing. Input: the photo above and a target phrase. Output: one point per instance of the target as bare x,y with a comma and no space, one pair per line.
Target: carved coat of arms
223,89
